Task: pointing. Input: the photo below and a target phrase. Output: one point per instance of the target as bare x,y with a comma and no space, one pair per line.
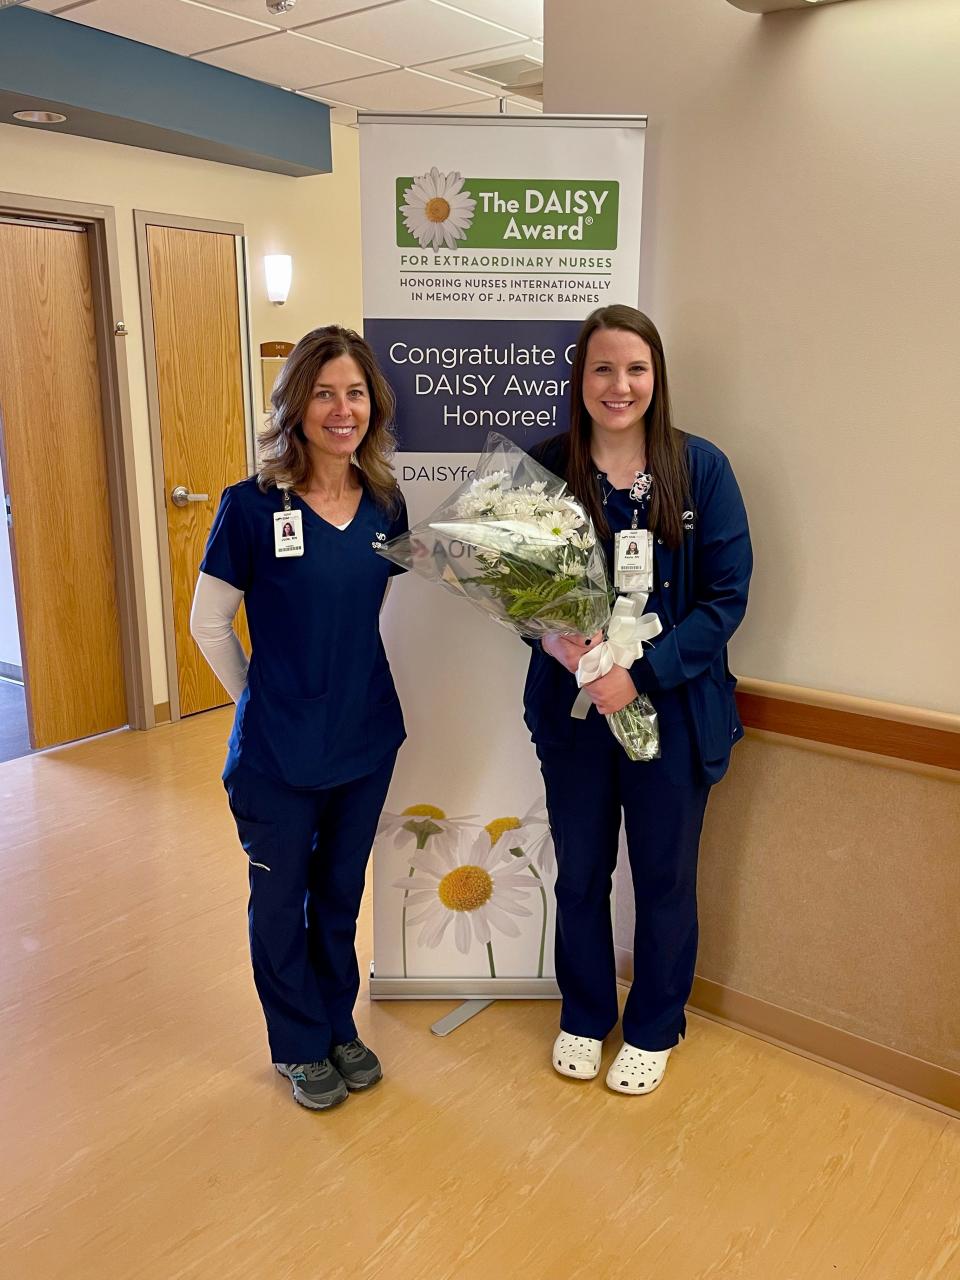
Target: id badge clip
633,561
287,530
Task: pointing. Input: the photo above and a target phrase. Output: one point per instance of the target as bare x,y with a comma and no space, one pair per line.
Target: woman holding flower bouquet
670,517
318,723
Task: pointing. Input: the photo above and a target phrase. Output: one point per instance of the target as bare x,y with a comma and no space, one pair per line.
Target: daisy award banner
486,242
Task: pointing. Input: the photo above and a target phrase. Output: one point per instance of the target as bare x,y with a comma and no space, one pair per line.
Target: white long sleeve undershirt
215,605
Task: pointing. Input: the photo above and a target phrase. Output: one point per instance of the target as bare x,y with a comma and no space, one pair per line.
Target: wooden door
196,322
56,474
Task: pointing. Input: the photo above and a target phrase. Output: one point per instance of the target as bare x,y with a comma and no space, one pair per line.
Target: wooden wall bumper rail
860,724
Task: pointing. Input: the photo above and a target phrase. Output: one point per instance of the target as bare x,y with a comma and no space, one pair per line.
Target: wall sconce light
278,268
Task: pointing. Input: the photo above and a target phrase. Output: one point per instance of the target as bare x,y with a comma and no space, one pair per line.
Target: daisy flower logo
464,882
437,210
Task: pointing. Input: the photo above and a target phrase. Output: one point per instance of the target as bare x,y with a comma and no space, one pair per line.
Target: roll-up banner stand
486,242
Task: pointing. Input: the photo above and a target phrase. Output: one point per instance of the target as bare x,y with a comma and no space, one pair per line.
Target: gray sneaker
358,1065
317,1085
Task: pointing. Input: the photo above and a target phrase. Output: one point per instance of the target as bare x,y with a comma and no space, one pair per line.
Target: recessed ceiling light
40,117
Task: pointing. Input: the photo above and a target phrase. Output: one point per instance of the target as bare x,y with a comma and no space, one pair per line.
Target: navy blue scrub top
320,707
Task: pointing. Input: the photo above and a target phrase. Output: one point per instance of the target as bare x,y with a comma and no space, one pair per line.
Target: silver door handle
180,497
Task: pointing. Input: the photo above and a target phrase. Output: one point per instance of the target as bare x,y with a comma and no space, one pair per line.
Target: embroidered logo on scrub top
381,539
689,519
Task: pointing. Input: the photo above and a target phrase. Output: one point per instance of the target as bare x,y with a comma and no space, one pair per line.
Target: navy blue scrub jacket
702,596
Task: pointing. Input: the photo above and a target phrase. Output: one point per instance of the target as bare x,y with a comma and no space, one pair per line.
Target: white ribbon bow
629,627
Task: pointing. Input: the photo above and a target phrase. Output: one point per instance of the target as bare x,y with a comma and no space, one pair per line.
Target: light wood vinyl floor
146,1137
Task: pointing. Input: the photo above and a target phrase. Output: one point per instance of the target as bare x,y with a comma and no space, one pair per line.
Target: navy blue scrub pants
663,802
308,852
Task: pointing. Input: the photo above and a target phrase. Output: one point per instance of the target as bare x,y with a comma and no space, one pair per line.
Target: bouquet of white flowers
517,545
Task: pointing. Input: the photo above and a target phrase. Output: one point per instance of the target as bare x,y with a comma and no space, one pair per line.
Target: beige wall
317,220
801,255
830,886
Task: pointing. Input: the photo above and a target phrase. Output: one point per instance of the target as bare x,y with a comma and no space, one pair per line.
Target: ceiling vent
522,77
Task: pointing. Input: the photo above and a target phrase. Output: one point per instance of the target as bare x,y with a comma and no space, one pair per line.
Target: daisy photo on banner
414,829
437,210
465,882
532,832
527,838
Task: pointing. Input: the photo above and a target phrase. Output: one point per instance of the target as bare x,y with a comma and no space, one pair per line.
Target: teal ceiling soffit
123,91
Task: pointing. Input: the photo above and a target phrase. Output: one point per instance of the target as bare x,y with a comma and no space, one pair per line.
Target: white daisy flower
465,883
558,523
418,823
582,541
522,839
437,210
531,834
475,505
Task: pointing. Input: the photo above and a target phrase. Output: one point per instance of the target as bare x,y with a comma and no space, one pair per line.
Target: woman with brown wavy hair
672,524
318,723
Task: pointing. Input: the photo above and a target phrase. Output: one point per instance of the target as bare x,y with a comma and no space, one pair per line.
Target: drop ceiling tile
412,31
454,68
525,16
48,6
292,60
396,91
304,11
168,24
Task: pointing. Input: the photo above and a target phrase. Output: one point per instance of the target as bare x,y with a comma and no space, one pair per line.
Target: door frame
143,218
101,226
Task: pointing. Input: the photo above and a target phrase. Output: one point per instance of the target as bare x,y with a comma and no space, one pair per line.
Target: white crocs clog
637,1070
577,1056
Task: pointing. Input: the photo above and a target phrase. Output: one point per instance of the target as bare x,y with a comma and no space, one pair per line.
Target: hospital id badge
633,561
287,533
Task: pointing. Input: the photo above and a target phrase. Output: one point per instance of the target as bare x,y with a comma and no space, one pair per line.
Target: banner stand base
463,1013
472,990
